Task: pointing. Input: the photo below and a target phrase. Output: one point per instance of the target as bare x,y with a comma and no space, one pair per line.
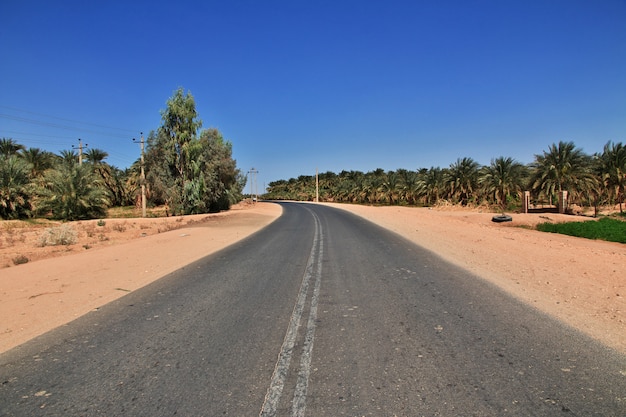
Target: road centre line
299,396
274,391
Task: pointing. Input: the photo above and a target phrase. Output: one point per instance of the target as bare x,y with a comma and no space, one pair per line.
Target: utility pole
143,179
317,187
253,182
80,151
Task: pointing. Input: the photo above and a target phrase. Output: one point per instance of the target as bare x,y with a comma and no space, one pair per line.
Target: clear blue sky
297,85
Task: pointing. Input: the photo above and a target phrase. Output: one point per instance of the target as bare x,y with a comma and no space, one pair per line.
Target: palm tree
112,178
328,183
562,167
68,157
96,156
389,188
72,192
596,192
412,188
39,161
612,165
9,147
504,177
14,187
462,179
434,184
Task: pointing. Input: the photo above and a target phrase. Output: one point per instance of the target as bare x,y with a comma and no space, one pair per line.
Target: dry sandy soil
581,282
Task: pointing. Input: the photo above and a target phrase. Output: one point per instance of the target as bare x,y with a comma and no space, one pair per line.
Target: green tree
178,164
389,188
72,192
612,170
160,174
502,178
411,186
96,156
14,187
191,173
219,171
562,167
180,127
9,147
112,178
68,157
434,184
462,179
39,161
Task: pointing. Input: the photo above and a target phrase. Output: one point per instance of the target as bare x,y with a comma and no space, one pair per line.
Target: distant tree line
188,169
591,180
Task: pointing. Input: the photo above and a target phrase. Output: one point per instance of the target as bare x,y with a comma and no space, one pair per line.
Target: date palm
67,157
462,179
96,156
390,188
14,187
411,186
9,147
434,184
502,178
39,160
562,167
72,192
612,166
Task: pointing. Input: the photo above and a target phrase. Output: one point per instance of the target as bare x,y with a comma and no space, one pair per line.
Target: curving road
319,314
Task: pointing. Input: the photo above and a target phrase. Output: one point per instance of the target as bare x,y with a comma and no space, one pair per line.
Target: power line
66,119
36,134
58,126
65,143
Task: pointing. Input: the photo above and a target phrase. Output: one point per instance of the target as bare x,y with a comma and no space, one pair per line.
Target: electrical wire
66,119
108,132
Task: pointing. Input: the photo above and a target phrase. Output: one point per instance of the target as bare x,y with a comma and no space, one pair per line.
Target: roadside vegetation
606,228
592,181
188,171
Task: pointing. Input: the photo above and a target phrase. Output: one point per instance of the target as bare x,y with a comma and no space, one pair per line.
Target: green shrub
606,228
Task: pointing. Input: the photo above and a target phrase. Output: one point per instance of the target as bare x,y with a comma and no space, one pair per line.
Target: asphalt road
319,314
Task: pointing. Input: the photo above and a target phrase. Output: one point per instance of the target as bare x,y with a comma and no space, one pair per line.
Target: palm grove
591,180
188,169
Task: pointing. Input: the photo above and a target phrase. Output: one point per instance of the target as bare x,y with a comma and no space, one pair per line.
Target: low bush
612,230
20,259
60,235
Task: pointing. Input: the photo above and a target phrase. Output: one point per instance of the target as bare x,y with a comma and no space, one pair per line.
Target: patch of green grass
606,228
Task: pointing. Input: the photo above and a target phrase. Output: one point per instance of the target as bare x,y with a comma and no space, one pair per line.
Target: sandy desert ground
581,282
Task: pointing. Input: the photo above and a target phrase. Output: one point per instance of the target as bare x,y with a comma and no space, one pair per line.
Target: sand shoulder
579,281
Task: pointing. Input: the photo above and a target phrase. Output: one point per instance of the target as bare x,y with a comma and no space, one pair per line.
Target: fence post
562,202
526,202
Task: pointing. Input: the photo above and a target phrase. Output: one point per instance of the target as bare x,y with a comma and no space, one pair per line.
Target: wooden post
526,202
